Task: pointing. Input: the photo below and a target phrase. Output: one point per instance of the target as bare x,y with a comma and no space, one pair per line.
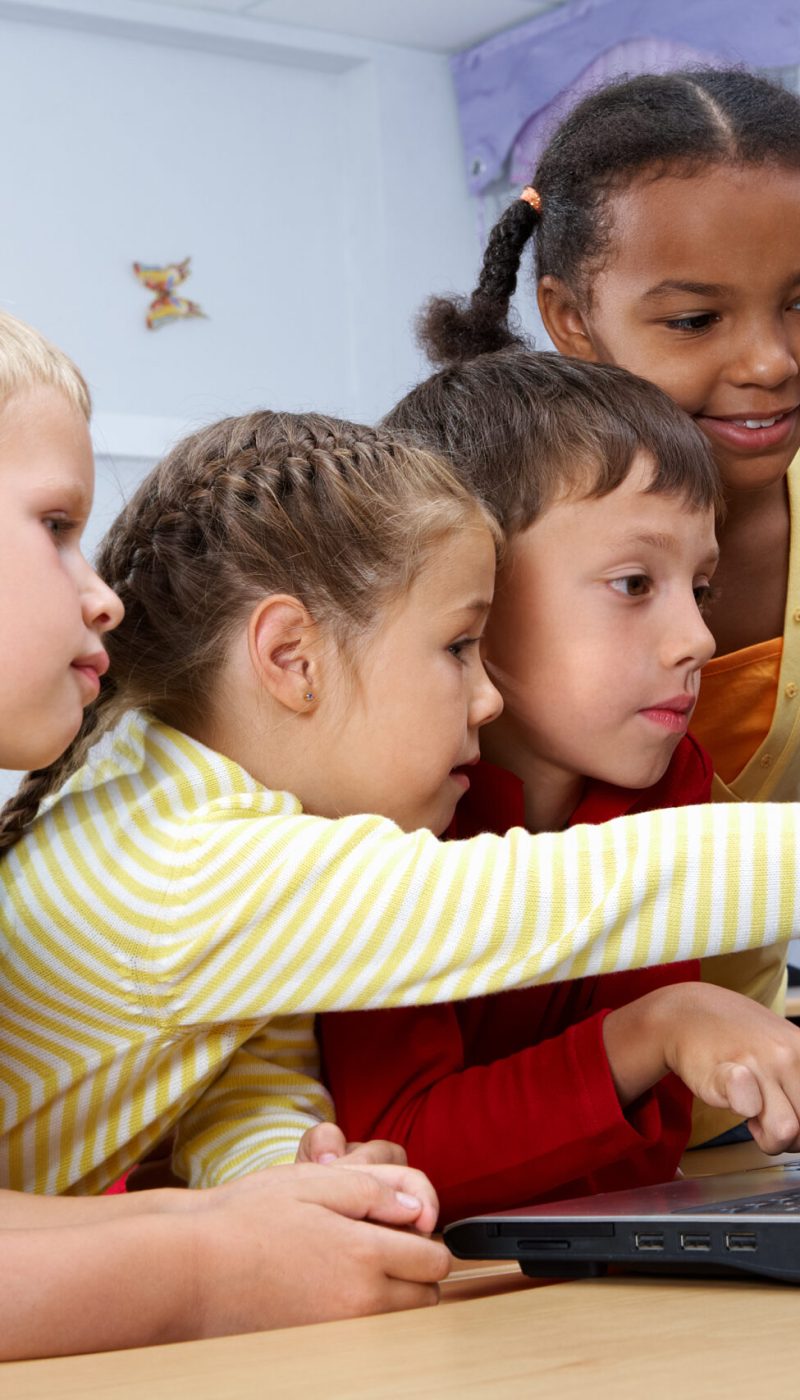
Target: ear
281,644
564,322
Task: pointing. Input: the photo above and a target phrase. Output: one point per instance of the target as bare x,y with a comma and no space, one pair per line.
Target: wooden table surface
495,1334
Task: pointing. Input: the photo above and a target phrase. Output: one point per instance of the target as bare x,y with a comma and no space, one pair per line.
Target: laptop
732,1224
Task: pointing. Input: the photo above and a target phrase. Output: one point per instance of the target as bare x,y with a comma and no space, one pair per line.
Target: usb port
741,1241
649,1241
695,1241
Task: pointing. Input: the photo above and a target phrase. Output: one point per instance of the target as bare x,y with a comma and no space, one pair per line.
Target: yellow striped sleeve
254,1114
306,915
165,908
229,904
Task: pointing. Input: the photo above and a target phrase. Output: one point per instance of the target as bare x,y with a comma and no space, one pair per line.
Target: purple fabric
504,82
632,56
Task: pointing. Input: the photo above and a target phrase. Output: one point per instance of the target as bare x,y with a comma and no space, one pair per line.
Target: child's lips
766,429
96,661
673,714
461,776
91,668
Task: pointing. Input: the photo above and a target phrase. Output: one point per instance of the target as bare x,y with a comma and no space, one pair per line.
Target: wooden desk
616,1338
602,1338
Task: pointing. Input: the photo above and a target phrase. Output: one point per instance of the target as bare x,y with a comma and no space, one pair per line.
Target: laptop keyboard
787,1204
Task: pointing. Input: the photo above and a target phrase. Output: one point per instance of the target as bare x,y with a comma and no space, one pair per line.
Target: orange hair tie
532,197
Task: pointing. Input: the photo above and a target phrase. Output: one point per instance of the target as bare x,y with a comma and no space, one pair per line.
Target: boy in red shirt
596,641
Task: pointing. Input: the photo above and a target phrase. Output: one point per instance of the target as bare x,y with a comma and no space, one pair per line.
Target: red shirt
508,1099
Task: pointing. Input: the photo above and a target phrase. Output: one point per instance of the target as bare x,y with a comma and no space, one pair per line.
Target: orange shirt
737,704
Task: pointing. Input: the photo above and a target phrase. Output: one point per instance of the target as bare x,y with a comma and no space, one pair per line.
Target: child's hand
325,1145
734,1053
274,1249
730,1051
295,1244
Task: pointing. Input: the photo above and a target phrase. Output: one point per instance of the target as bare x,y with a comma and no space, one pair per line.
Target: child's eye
704,595
458,648
59,525
699,322
632,585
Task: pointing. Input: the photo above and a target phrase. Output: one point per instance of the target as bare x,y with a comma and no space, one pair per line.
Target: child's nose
691,641
102,609
766,356
487,702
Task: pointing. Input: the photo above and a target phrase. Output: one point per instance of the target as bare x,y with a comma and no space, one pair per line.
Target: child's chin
51,746
646,777
440,826
437,823
644,773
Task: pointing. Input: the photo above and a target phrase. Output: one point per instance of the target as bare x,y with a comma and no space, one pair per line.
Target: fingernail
410,1202
326,1159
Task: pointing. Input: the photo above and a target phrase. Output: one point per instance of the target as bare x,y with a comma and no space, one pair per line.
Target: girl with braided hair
245,831
288,1246
664,219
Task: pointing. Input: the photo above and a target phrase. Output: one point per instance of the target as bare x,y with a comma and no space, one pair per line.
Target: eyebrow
478,605
73,493
698,289
695,289
655,539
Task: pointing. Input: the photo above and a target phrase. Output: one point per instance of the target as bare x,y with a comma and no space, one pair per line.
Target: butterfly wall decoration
163,281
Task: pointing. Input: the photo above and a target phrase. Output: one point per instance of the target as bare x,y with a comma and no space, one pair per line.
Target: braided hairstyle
675,123
340,516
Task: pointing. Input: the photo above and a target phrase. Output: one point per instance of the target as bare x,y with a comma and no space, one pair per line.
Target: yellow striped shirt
170,926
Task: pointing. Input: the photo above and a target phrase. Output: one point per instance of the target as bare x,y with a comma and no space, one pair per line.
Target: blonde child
606,493
304,605
285,1247
665,216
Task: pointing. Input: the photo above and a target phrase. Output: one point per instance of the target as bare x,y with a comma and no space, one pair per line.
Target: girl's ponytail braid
454,328
20,810
654,124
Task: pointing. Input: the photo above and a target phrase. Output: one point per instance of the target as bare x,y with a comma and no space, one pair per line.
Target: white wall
316,183
319,208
